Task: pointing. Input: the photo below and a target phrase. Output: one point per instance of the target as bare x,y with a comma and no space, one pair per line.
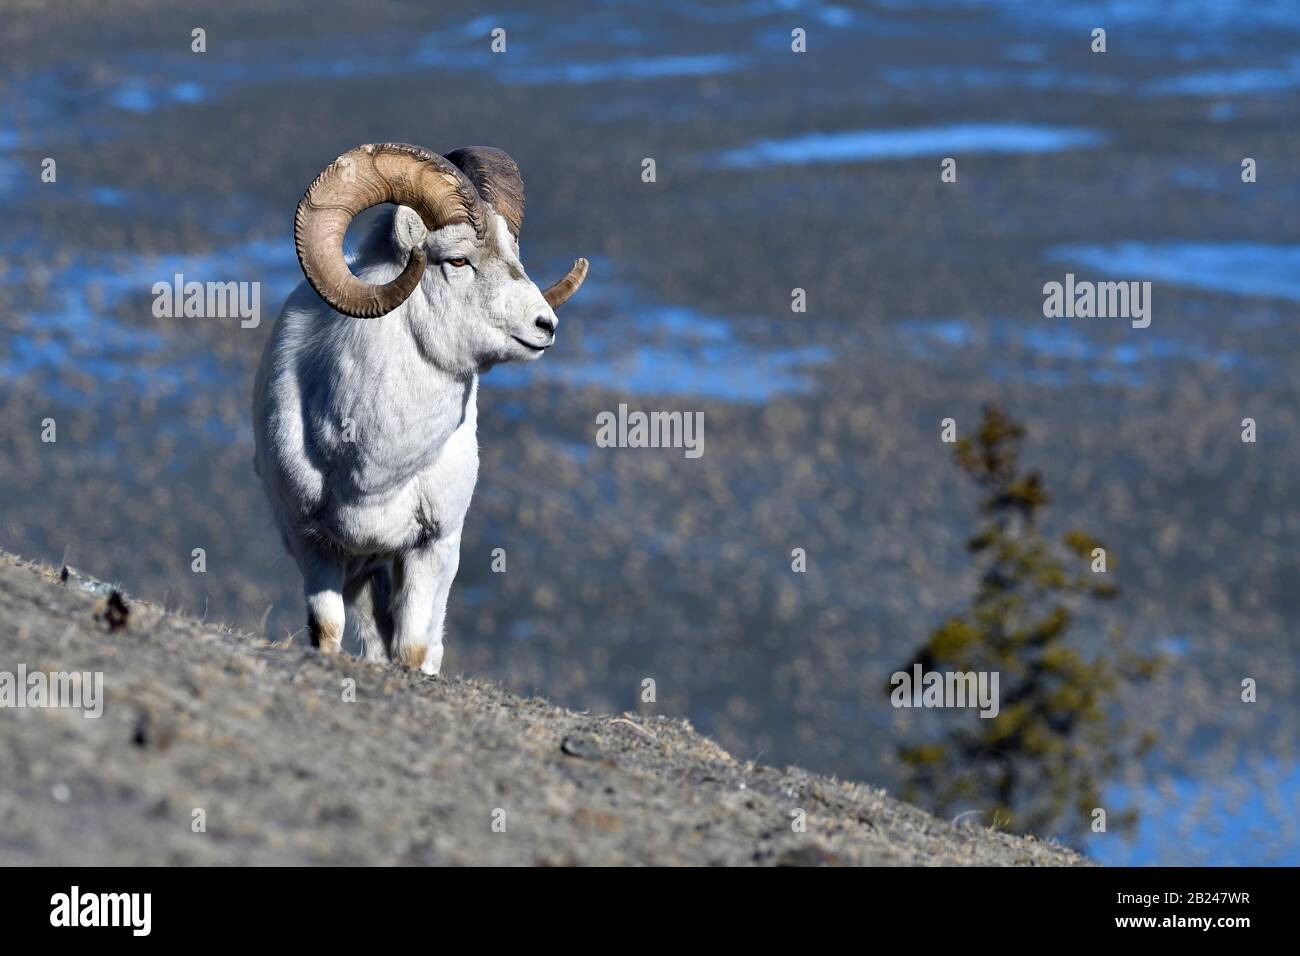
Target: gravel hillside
259,737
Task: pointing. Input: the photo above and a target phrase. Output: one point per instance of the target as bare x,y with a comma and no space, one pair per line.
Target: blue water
547,50
629,68
139,96
633,343
535,55
1207,19
1231,81
106,352
1017,74
10,171
1074,353
731,372
1246,819
809,11
1176,645
1237,268
1184,31
876,145
222,213
71,327
113,276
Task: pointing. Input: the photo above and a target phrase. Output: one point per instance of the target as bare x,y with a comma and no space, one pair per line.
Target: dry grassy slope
259,736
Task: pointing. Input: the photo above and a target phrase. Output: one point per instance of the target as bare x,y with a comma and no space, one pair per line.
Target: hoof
326,636
412,657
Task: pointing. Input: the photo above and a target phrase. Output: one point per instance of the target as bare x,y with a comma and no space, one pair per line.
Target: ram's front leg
422,585
322,574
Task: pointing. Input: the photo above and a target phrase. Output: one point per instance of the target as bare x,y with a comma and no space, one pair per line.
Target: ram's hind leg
323,575
368,600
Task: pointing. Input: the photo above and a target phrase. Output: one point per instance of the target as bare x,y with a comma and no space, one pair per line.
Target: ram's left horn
563,290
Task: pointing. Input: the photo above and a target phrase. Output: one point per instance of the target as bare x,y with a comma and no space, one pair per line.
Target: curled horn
367,176
496,177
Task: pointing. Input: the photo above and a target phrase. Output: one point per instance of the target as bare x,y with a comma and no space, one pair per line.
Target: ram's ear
408,230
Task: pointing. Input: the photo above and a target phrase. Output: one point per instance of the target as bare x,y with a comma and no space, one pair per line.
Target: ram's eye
458,262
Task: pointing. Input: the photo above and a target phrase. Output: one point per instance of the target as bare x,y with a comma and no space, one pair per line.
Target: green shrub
1040,764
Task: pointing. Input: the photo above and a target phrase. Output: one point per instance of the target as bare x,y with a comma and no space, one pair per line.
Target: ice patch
877,145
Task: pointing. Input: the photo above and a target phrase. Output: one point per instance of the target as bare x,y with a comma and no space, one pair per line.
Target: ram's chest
426,505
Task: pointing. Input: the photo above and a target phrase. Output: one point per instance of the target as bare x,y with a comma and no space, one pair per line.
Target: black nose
546,324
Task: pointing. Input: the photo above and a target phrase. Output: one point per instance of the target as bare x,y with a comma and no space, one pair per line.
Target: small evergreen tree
1039,765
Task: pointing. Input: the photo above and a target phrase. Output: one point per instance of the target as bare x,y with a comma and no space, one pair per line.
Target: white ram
364,408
